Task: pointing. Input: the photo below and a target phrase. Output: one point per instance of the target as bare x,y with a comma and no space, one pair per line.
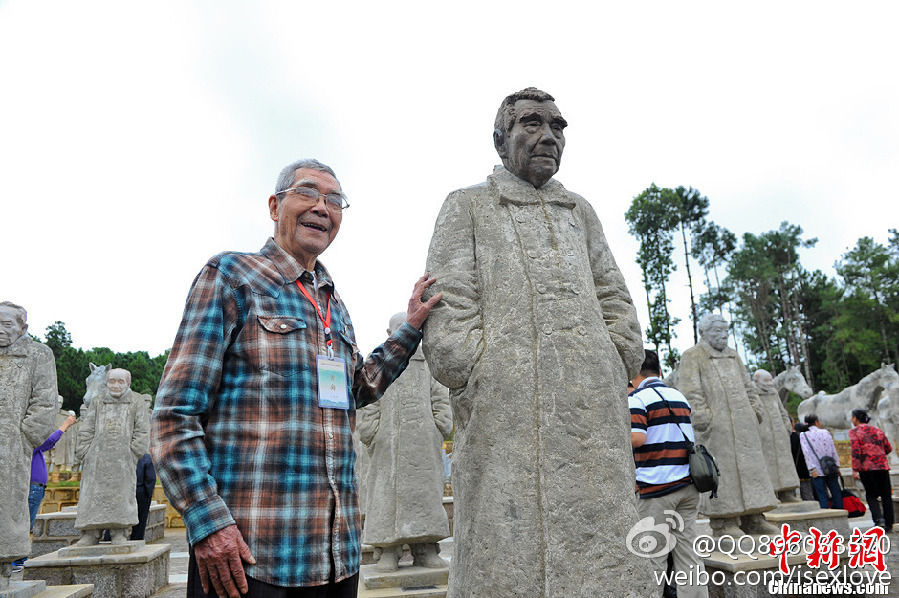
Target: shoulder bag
828,464
703,467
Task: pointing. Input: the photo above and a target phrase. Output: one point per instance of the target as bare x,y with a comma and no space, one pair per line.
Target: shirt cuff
408,336
206,517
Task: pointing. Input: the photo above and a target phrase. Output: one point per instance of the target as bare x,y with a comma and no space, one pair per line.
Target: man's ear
273,207
499,142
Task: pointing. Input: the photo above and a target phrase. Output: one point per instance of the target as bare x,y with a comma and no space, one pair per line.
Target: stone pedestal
130,570
23,589
803,515
39,589
407,581
53,531
723,570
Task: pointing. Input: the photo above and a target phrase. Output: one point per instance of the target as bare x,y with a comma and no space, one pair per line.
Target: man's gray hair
505,116
707,320
288,173
21,314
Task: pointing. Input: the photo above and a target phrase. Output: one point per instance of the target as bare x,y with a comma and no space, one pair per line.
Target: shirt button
521,218
331,435
547,329
541,288
581,330
533,254
283,326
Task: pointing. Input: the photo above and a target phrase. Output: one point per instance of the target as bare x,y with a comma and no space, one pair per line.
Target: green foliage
72,366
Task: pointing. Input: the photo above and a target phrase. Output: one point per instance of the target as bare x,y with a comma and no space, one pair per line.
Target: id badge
332,390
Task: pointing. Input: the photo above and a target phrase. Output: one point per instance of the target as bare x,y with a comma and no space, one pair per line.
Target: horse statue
789,381
835,410
96,382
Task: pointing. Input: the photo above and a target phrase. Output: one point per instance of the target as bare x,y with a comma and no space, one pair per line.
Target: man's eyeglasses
336,202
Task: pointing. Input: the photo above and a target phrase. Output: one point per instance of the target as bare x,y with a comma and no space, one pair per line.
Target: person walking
817,444
806,490
870,465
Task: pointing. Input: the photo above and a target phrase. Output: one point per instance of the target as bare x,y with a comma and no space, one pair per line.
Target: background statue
27,405
835,411
405,431
886,417
62,456
95,383
536,338
114,434
792,380
774,433
726,414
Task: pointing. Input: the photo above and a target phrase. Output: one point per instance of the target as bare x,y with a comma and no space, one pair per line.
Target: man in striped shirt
661,434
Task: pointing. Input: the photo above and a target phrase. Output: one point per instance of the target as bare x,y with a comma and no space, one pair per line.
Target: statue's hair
505,116
111,370
288,173
21,314
706,321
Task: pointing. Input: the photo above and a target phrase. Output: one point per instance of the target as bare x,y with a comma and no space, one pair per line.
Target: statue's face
10,328
716,335
117,383
533,147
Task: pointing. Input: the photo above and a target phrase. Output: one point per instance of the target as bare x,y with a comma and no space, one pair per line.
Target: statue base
23,589
801,516
420,582
130,570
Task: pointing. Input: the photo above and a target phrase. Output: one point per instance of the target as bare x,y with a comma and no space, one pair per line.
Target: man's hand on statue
855,475
418,310
219,561
813,473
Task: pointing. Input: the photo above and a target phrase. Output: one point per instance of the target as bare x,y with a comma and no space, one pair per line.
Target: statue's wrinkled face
716,335
117,383
10,327
532,149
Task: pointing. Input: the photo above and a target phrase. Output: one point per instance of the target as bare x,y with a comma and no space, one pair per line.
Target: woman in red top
870,464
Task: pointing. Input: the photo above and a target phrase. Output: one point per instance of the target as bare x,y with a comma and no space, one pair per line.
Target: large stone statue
114,434
27,405
726,418
405,431
774,433
536,338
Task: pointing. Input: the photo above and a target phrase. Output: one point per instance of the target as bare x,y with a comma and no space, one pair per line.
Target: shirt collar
291,269
649,380
19,348
520,192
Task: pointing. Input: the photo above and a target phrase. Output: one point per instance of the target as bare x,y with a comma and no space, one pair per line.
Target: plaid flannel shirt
237,433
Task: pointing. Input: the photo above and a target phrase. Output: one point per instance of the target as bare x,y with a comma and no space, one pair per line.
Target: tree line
72,366
837,329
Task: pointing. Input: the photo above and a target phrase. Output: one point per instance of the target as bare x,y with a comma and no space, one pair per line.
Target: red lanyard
325,320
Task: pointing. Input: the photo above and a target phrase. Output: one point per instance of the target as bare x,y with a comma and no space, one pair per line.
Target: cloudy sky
137,140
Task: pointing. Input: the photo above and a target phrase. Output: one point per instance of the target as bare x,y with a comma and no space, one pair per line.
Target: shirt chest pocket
282,345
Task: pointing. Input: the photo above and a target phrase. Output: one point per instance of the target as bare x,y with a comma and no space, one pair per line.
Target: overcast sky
138,140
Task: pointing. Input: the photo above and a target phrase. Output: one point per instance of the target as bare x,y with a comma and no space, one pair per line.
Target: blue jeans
822,484
35,496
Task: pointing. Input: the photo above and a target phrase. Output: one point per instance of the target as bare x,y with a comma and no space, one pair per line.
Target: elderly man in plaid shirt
251,435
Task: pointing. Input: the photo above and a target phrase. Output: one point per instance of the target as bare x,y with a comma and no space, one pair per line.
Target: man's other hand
68,423
219,560
418,310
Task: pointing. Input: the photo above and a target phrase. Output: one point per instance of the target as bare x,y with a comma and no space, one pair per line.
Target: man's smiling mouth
314,226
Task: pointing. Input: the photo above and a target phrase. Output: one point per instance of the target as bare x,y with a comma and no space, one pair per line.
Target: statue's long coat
405,432
725,413
27,406
536,337
774,433
114,434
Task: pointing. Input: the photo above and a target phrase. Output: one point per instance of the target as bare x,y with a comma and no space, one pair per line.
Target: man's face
304,229
117,383
716,335
10,328
533,148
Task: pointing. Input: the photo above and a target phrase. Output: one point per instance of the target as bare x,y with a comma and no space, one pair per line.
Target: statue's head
13,324
396,320
763,379
528,135
117,382
713,330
